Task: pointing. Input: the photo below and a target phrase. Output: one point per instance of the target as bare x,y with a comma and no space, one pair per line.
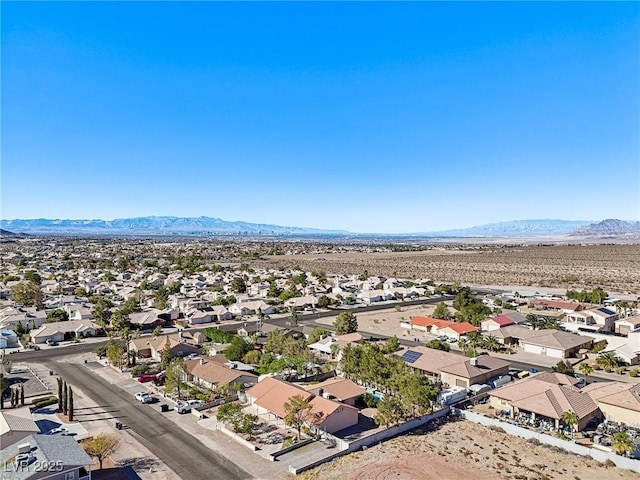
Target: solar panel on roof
607,311
411,356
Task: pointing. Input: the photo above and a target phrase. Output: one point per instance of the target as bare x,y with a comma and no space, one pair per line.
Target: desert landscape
616,268
463,450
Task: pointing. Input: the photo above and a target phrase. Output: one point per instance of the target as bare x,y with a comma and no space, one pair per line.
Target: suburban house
451,368
597,319
333,345
556,343
495,323
15,425
211,374
341,389
301,303
618,401
270,395
625,325
442,327
9,339
178,345
252,307
563,306
374,296
38,451
455,330
512,334
544,400
59,331
146,320
472,371
78,312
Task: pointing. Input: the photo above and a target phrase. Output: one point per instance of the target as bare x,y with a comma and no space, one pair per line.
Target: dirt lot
387,322
463,450
616,268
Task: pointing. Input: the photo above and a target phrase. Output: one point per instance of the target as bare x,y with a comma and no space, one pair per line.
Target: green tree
80,292
345,322
623,443
323,301
175,376
27,294
232,413
563,367
391,345
217,336
57,315
65,398
161,299
70,408
156,332
252,357
318,333
586,369
238,285
491,343
297,412
33,277
608,360
115,353
59,394
442,312
274,342
390,412
22,395
438,345
570,419
237,349
101,446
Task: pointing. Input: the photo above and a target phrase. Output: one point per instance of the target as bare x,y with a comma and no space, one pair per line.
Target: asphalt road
179,450
55,352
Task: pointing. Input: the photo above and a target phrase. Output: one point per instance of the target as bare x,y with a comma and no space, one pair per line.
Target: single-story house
270,395
300,303
212,374
15,425
544,400
59,331
341,389
618,401
495,323
70,460
564,306
556,343
252,308
178,344
147,320
513,334
472,371
455,330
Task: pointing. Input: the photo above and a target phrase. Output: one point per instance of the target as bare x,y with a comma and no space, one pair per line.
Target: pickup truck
144,397
185,407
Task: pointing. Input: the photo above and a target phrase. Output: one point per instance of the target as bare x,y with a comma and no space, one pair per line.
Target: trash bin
163,407
118,425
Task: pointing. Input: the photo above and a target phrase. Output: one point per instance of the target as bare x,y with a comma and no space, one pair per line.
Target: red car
147,377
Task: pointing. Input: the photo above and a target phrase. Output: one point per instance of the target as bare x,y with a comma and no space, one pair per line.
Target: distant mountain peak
519,228
611,227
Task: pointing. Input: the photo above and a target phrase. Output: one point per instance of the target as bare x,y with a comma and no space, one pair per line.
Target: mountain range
215,226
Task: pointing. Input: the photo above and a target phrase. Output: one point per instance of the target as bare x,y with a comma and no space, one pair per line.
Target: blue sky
370,117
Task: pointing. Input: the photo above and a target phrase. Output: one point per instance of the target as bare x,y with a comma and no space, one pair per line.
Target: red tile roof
503,320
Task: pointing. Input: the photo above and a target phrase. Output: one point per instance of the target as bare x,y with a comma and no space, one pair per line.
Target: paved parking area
47,419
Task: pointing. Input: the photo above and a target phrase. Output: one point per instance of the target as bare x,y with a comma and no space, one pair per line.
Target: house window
69,475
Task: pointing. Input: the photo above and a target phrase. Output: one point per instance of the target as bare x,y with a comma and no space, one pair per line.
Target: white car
144,397
60,430
185,407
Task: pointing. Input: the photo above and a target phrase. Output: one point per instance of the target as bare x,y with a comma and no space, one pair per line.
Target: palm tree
622,443
463,344
570,419
585,369
608,361
491,343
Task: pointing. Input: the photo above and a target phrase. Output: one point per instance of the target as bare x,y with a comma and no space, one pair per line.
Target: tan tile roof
272,394
17,420
557,378
547,399
557,339
322,408
341,388
485,365
618,394
214,372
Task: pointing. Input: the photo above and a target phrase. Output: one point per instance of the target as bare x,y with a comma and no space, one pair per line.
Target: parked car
51,343
60,430
144,397
186,407
147,377
159,379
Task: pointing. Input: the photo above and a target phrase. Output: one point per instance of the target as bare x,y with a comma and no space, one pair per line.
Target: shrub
533,441
633,373
497,429
44,401
139,370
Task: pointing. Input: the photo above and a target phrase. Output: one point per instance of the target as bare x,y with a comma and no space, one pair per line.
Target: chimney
474,361
202,361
